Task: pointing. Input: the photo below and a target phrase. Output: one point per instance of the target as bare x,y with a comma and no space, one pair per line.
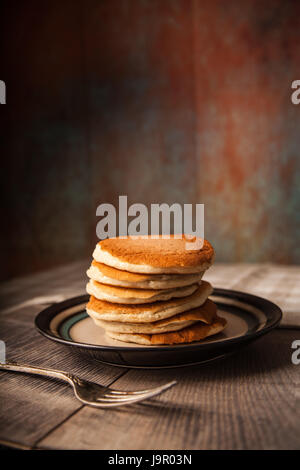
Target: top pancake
154,255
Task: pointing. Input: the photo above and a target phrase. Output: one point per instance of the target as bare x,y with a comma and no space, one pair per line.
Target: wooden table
247,401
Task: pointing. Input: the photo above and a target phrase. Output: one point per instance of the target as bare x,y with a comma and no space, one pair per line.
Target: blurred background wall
162,100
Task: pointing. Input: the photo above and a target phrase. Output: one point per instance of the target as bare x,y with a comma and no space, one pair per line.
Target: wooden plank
231,275
246,401
61,283
30,407
278,283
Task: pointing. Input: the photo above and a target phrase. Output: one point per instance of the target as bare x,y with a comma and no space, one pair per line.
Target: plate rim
47,314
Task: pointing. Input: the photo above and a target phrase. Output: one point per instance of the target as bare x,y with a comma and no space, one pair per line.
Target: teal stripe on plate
65,327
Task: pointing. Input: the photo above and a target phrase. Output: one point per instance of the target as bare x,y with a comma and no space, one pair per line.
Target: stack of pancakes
149,291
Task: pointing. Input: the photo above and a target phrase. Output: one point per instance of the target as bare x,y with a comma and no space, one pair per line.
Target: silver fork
90,393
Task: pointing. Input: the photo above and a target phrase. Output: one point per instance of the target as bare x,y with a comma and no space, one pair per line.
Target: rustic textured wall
162,100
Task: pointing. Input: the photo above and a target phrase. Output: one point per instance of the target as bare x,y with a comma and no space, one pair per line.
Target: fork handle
57,374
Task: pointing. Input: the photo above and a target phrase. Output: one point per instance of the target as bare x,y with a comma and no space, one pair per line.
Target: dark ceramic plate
248,317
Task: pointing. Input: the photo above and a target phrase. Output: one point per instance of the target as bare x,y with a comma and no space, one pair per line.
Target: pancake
154,255
126,295
195,332
148,312
206,313
115,277
143,327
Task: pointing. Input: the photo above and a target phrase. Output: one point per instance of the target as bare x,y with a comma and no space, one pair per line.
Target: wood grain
247,401
278,283
30,407
64,281
250,400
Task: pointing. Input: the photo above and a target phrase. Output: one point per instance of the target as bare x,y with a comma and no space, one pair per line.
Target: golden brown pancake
196,332
154,255
206,314
116,277
147,312
126,295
